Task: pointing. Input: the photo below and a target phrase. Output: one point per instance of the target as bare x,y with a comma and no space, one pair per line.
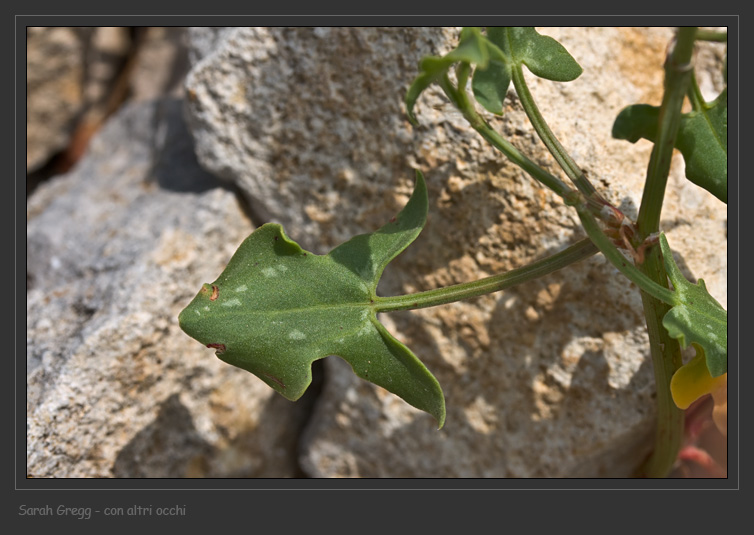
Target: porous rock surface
548,379
116,248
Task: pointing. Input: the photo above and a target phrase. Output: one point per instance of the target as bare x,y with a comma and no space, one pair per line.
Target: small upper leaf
472,49
277,308
493,56
702,140
543,55
490,85
697,317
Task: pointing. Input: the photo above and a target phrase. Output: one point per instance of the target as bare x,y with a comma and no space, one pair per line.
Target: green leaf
420,83
697,318
277,308
490,85
543,55
635,122
702,140
493,56
473,48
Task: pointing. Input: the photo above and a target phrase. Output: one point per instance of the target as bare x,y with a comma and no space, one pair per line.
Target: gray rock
204,41
116,249
294,163
548,379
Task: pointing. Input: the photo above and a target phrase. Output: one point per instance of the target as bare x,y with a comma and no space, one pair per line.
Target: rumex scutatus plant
277,308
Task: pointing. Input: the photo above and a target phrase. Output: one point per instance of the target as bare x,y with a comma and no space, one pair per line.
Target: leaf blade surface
277,308
697,318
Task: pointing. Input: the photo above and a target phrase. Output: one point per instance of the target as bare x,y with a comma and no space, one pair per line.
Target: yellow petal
693,380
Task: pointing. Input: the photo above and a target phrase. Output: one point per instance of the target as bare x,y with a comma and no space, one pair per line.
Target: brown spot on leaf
278,381
215,293
219,347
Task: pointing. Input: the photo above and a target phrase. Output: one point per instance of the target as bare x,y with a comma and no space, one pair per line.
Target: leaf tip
440,418
420,182
410,112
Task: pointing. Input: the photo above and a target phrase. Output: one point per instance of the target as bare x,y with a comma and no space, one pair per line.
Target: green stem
695,95
461,101
678,72
665,351
449,294
615,257
712,35
666,359
548,138
462,74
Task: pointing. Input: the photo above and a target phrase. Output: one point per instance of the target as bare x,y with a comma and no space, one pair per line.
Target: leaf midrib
298,310
710,315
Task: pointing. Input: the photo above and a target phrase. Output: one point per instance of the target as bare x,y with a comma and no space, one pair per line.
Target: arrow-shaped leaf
697,318
702,139
277,308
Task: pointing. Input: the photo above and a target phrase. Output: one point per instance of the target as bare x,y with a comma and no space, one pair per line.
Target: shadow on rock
563,388
165,448
174,163
172,447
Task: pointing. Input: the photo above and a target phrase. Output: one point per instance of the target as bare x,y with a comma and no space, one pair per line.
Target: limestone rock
116,249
